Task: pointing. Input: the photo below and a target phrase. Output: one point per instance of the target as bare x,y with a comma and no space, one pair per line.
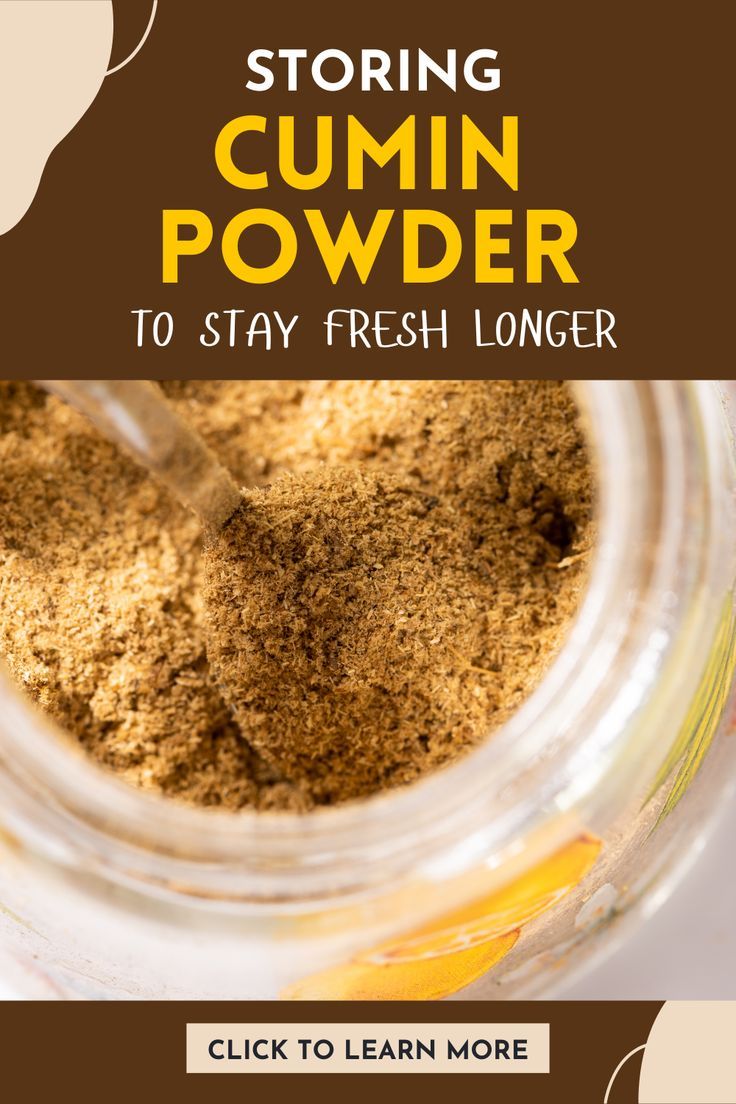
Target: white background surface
686,951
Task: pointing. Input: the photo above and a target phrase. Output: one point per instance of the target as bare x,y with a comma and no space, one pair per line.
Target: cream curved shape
53,58
690,1056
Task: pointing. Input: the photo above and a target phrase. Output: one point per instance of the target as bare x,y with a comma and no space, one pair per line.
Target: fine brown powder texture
345,613
413,583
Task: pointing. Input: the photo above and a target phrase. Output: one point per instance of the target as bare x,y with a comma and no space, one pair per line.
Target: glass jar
488,879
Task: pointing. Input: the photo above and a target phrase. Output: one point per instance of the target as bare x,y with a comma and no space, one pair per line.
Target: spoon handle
135,415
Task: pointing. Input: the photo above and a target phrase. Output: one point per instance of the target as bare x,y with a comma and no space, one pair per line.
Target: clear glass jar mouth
549,759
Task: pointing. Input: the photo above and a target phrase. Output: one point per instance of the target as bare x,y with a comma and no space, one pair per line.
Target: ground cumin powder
405,565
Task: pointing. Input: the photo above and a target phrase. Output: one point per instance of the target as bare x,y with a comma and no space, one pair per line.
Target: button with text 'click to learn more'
368,1048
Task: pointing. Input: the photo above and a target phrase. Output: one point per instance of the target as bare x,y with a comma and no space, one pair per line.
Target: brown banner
126,1051
617,126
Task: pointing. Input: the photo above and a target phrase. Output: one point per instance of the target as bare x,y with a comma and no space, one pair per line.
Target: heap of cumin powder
377,619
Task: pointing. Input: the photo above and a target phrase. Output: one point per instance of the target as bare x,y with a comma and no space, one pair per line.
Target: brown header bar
618,125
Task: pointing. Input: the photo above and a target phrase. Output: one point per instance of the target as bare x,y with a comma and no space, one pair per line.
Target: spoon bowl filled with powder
345,610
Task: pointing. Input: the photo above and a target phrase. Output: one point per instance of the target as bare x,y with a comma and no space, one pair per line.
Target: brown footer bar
138,1051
